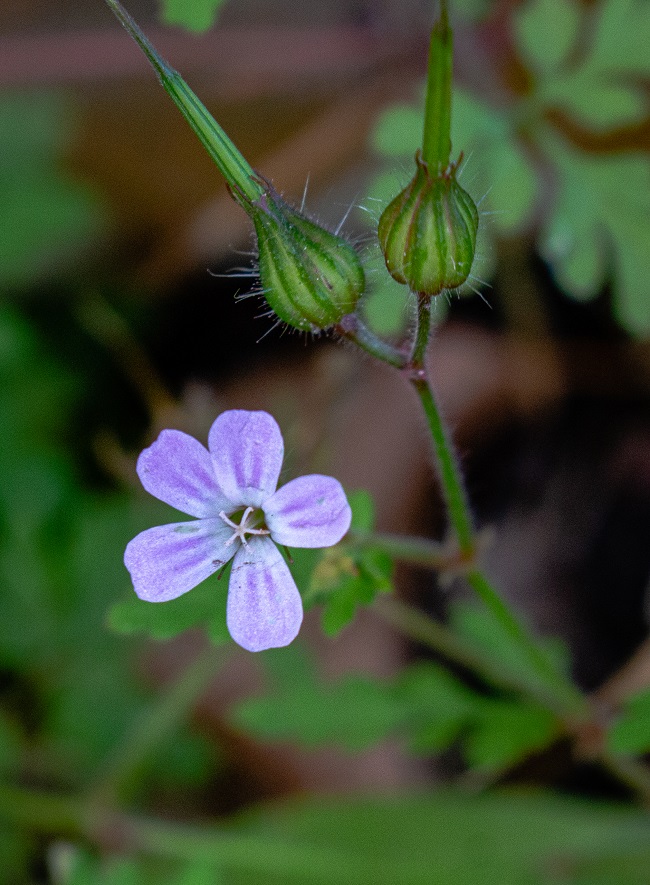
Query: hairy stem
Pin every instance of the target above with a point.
(353, 329)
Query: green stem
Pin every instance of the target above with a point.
(547, 671)
(449, 472)
(440, 639)
(231, 163)
(416, 551)
(422, 332)
(355, 330)
(153, 726)
(436, 141)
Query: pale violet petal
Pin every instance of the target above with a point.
(168, 560)
(311, 511)
(247, 452)
(264, 605)
(178, 470)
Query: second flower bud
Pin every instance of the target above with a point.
(428, 232)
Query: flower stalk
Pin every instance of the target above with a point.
(436, 141)
(230, 162)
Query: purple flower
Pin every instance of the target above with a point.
(232, 491)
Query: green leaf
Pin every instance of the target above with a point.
(437, 706)
(630, 733)
(622, 36)
(546, 31)
(363, 510)
(602, 206)
(193, 15)
(480, 627)
(594, 100)
(507, 732)
(353, 713)
(204, 606)
(351, 573)
(438, 839)
(599, 86)
(398, 133)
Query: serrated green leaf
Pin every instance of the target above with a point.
(599, 87)
(506, 732)
(354, 713)
(630, 733)
(193, 15)
(622, 37)
(545, 32)
(601, 199)
(437, 706)
(480, 627)
(594, 102)
(351, 573)
(204, 606)
(513, 189)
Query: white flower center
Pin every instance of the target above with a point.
(243, 528)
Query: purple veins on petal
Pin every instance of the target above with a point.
(168, 560)
(264, 606)
(311, 511)
(247, 452)
(178, 470)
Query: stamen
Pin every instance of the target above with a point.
(242, 529)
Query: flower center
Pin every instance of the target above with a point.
(247, 526)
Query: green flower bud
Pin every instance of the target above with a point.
(310, 277)
(428, 232)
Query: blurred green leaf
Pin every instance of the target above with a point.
(480, 627)
(425, 704)
(438, 707)
(354, 713)
(439, 839)
(193, 15)
(599, 84)
(204, 606)
(535, 21)
(599, 223)
(630, 733)
(47, 214)
(506, 732)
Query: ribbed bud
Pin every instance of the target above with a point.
(428, 232)
(310, 277)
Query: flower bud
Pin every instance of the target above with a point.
(310, 277)
(428, 232)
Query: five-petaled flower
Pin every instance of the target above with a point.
(232, 490)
